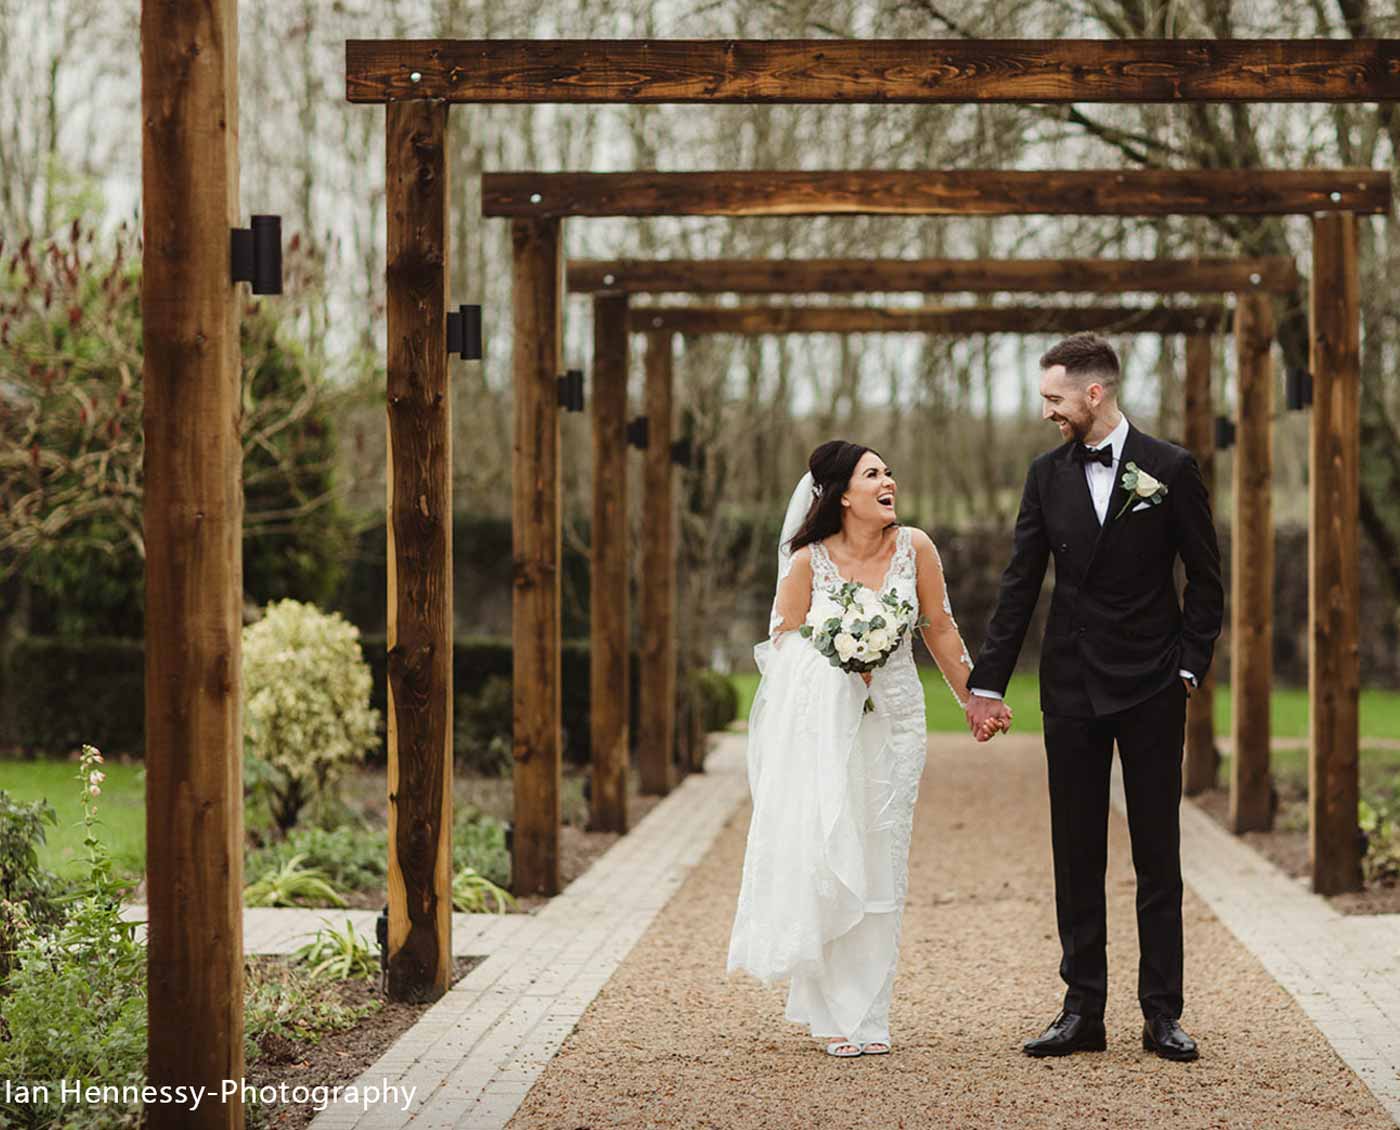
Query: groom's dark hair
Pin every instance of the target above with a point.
(1086, 357)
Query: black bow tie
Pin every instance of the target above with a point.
(1103, 455)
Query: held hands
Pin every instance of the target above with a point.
(987, 717)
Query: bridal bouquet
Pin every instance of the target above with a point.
(858, 630)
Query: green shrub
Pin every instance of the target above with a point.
(479, 843)
(349, 858)
(715, 696)
(473, 893)
(482, 725)
(339, 955)
(75, 1008)
(72, 369)
(29, 894)
(56, 694)
(292, 884)
(1379, 819)
(306, 712)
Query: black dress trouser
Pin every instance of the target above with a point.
(1079, 753)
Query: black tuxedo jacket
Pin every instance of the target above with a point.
(1115, 635)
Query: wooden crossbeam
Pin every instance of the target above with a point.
(1272, 274)
(952, 320)
(881, 70)
(956, 192)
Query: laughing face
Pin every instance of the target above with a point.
(1069, 403)
(870, 495)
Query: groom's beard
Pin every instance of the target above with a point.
(1078, 429)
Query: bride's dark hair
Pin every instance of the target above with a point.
(832, 464)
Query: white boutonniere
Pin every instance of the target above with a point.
(1141, 487)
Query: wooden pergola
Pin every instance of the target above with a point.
(538, 203)
(193, 505)
(1251, 280)
(614, 319)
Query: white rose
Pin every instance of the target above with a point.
(878, 640)
(1147, 486)
(845, 645)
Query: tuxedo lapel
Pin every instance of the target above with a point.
(1075, 485)
(1132, 452)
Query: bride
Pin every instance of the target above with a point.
(826, 865)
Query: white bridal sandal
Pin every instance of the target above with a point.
(834, 1048)
(875, 1047)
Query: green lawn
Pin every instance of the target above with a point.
(121, 811)
(1380, 710)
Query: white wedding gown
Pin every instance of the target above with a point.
(826, 866)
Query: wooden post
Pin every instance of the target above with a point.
(610, 632)
(193, 517)
(1202, 759)
(1252, 568)
(1334, 677)
(535, 520)
(419, 527)
(657, 720)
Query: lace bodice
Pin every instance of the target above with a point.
(901, 576)
(902, 579)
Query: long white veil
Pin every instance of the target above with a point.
(818, 857)
(798, 507)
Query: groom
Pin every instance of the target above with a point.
(1115, 507)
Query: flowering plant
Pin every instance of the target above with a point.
(1141, 487)
(858, 630)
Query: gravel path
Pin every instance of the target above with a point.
(669, 1042)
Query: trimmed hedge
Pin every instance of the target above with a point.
(476, 658)
(56, 694)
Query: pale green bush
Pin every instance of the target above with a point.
(306, 713)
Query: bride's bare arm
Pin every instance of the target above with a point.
(942, 637)
(794, 593)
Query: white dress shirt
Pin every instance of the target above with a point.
(1101, 481)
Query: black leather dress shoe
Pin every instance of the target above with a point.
(1165, 1037)
(1068, 1033)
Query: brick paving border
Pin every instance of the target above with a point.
(284, 930)
(475, 1053)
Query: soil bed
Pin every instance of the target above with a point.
(339, 1058)
(1286, 846)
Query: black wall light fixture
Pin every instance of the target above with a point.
(464, 332)
(1298, 389)
(256, 254)
(1224, 433)
(637, 433)
(571, 391)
